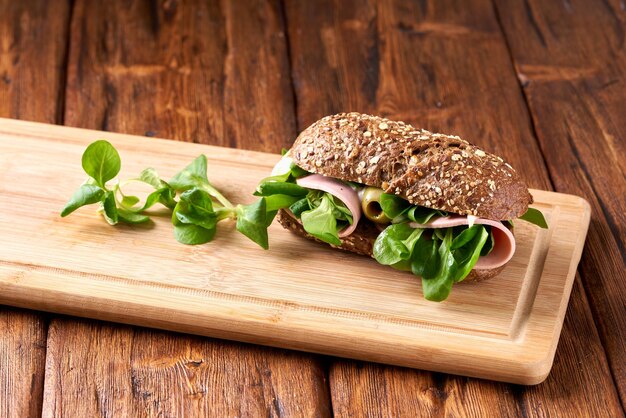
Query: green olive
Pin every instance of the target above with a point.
(371, 205)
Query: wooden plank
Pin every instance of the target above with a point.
(97, 369)
(444, 66)
(22, 359)
(391, 391)
(570, 59)
(33, 38)
(182, 71)
(172, 69)
(503, 329)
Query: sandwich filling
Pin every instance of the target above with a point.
(440, 247)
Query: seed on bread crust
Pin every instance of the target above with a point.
(428, 169)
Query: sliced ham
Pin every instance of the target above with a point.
(504, 241)
(341, 191)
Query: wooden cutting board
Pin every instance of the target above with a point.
(298, 295)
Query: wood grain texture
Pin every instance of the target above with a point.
(205, 72)
(180, 70)
(22, 360)
(142, 373)
(33, 37)
(571, 62)
(444, 66)
(292, 296)
(391, 391)
(33, 44)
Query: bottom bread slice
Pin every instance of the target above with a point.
(361, 241)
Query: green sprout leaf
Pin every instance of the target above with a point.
(393, 205)
(467, 255)
(437, 287)
(274, 187)
(151, 177)
(194, 175)
(165, 196)
(488, 245)
(321, 221)
(195, 207)
(280, 201)
(299, 206)
(252, 221)
(131, 217)
(534, 216)
(101, 161)
(193, 218)
(465, 236)
(110, 208)
(424, 257)
(422, 215)
(86, 194)
(396, 243)
(193, 234)
(399, 209)
(129, 201)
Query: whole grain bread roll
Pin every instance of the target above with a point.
(428, 169)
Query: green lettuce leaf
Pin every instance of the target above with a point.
(395, 244)
(400, 210)
(269, 188)
(535, 216)
(193, 217)
(86, 194)
(393, 206)
(321, 221)
(253, 221)
(467, 255)
(436, 287)
(440, 257)
(299, 206)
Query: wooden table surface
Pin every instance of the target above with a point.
(543, 83)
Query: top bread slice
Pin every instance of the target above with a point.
(428, 169)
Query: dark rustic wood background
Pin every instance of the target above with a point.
(540, 82)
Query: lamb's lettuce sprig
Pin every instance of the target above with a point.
(276, 192)
(399, 210)
(196, 205)
(441, 257)
(102, 163)
(322, 215)
(534, 216)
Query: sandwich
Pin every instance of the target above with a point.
(428, 203)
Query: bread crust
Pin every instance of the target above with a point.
(428, 169)
(361, 241)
